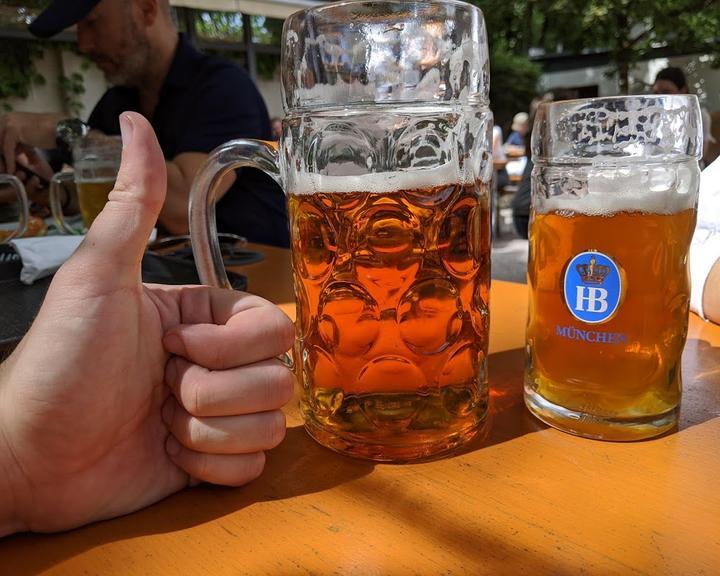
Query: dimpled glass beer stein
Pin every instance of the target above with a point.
(385, 161)
(615, 189)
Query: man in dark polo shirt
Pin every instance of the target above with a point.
(194, 101)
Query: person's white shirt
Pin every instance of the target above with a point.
(705, 247)
(707, 129)
(497, 144)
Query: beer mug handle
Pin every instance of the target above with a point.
(24, 212)
(56, 184)
(203, 229)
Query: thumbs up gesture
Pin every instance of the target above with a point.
(123, 393)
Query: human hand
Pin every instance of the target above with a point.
(24, 128)
(36, 185)
(121, 394)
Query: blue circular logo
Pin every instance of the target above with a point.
(592, 287)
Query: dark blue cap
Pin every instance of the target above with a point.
(59, 15)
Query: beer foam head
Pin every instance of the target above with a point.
(660, 189)
(379, 182)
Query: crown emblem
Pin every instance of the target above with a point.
(592, 273)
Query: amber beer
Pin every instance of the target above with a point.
(625, 368)
(92, 196)
(392, 332)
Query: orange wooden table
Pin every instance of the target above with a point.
(526, 499)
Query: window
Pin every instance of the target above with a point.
(218, 26)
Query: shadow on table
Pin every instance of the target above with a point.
(298, 466)
(701, 383)
(509, 418)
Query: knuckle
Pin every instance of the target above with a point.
(248, 468)
(198, 434)
(281, 386)
(195, 396)
(122, 185)
(218, 355)
(196, 401)
(255, 464)
(201, 466)
(174, 373)
(179, 427)
(286, 331)
(279, 330)
(182, 427)
(275, 428)
(188, 387)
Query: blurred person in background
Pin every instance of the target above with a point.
(515, 144)
(672, 81)
(195, 103)
(276, 125)
(499, 158)
(705, 248)
(522, 200)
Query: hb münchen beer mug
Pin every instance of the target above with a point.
(385, 161)
(615, 189)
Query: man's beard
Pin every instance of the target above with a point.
(133, 64)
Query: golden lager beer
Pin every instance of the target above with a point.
(614, 192)
(628, 366)
(92, 196)
(392, 331)
(385, 159)
(96, 163)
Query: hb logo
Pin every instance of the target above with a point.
(592, 287)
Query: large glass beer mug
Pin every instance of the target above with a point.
(385, 160)
(615, 189)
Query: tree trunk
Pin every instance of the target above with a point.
(623, 50)
(624, 76)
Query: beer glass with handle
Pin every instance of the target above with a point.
(11, 230)
(385, 161)
(615, 189)
(96, 160)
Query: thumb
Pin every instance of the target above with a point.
(118, 236)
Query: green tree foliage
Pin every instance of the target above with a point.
(18, 72)
(266, 30)
(513, 77)
(627, 29)
(630, 29)
(513, 84)
(219, 26)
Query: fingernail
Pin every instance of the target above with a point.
(174, 344)
(126, 129)
(168, 411)
(172, 446)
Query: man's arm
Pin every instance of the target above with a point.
(711, 294)
(25, 128)
(181, 172)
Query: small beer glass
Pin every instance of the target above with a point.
(615, 190)
(96, 162)
(14, 216)
(385, 160)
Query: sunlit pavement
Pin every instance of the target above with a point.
(509, 252)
